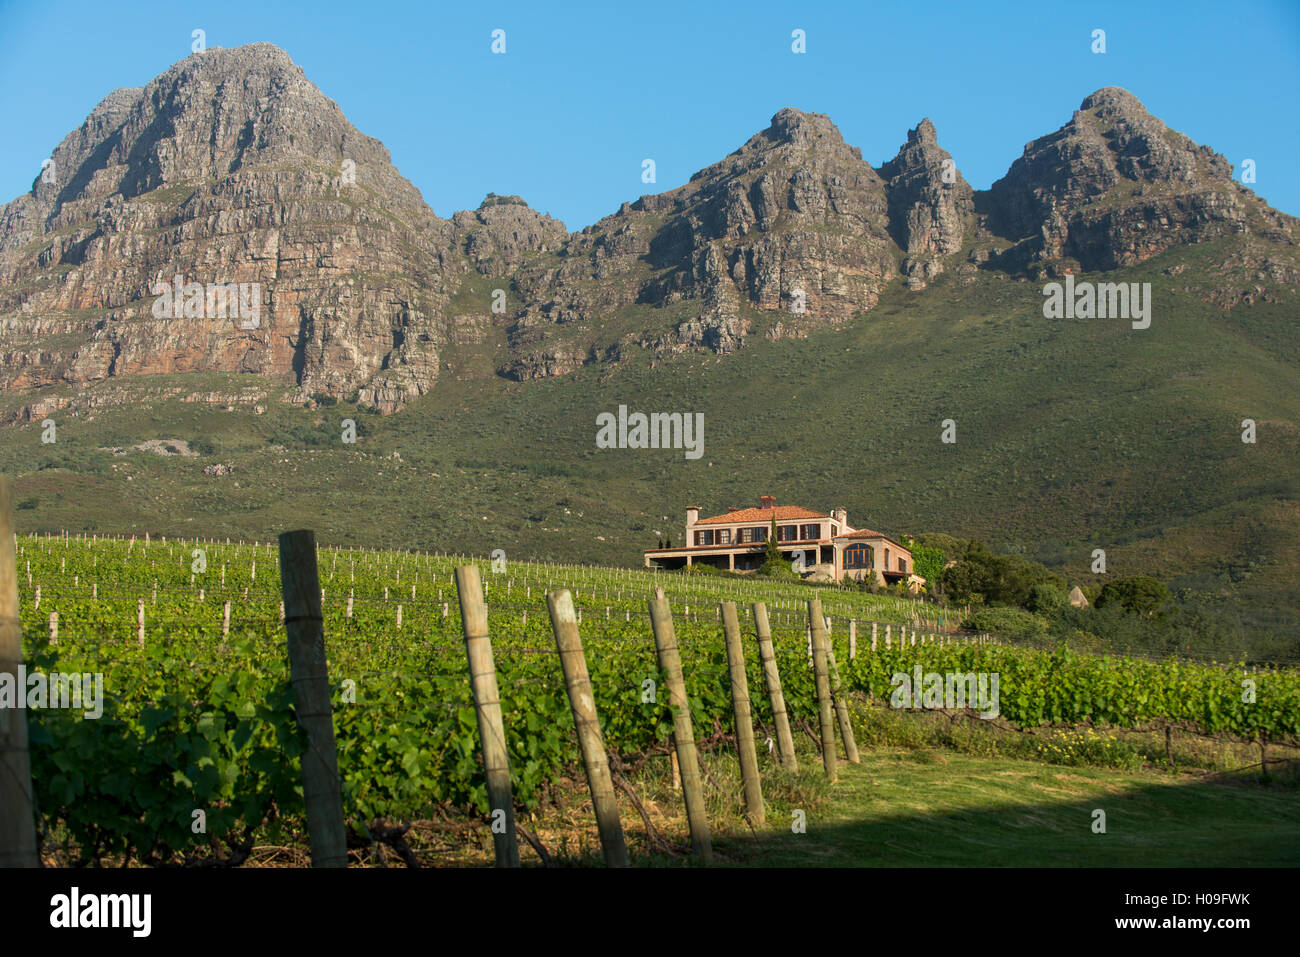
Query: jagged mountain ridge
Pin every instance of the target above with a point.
(1115, 186)
(232, 167)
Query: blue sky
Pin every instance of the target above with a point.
(585, 92)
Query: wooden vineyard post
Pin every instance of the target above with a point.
(817, 627)
(873, 636)
(772, 678)
(487, 706)
(842, 709)
(661, 621)
(321, 788)
(744, 723)
(17, 817)
(853, 638)
(577, 682)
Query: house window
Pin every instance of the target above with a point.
(787, 533)
(902, 565)
(886, 559)
(724, 537)
(857, 556)
(704, 538)
(811, 532)
(746, 536)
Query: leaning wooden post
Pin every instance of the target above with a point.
(817, 628)
(744, 723)
(321, 788)
(577, 683)
(487, 705)
(772, 679)
(842, 709)
(17, 817)
(661, 621)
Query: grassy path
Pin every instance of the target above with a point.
(930, 808)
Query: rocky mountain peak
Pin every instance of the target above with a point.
(1114, 100)
(492, 199)
(503, 231)
(918, 155)
(930, 203)
(1115, 185)
(924, 134)
(785, 233)
(207, 116)
(797, 128)
(229, 170)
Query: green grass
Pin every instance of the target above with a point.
(940, 809)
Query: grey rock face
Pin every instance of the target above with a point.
(232, 168)
(930, 205)
(1115, 186)
(229, 168)
(499, 235)
(791, 227)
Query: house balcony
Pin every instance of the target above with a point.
(739, 556)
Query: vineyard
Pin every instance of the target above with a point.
(199, 719)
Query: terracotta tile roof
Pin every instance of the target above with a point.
(782, 513)
(868, 533)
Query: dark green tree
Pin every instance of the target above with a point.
(1139, 595)
(982, 576)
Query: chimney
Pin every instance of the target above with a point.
(767, 501)
(842, 516)
(692, 516)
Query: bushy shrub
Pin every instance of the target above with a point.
(1139, 595)
(1006, 622)
(996, 579)
(701, 568)
(1087, 747)
(1048, 600)
(780, 568)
